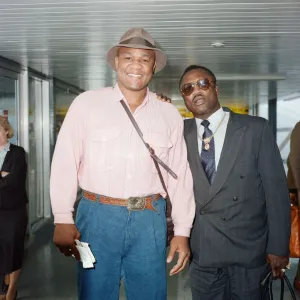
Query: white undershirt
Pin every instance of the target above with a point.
(219, 136)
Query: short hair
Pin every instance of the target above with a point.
(6, 126)
(196, 67)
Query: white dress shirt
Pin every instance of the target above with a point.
(219, 137)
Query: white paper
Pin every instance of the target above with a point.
(86, 256)
(87, 247)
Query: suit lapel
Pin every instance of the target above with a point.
(230, 150)
(192, 141)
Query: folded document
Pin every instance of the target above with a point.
(86, 256)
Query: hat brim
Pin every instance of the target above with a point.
(160, 57)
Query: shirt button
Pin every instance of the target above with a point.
(202, 212)
(235, 199)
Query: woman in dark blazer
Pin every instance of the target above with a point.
(13, 211)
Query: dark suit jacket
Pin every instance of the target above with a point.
(245, 214)
(13, 186)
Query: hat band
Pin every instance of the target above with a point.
(137, 41)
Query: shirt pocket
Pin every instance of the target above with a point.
(161, 145)
(104, 148)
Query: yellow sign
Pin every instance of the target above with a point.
(239, 109)
(62, 111)
(185, 113)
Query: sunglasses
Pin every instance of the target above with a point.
(204, 84)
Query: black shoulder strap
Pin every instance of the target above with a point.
(155, 158)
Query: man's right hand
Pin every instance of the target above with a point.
(277, 264)
(64, 239)
(163, 98)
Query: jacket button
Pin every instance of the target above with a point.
(223, 219)
(242, 176)
(235, 199)
(202, 212)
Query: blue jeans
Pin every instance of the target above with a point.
(126, 244)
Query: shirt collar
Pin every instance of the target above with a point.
(214, 119)
(118, 95)
(6, 148)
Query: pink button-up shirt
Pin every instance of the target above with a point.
(99, 149)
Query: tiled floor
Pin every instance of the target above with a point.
(50, 276)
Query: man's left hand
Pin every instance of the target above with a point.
(179, 244)
(277, 264)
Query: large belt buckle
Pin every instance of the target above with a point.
(136, 203)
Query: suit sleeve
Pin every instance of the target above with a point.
(17, 174)
(276, 193)
(294, 157)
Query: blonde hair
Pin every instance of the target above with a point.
(6, 126)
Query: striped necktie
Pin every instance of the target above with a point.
(208, 156)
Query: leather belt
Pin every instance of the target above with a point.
(132, 203)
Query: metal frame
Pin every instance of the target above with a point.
(43, 137)
(272, 108)
(66, 86)
(47, 92)
(8, 73)
(10, 65)
(36, 84)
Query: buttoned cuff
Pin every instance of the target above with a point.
(63, 218)
(180, 230)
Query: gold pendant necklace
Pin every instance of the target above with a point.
(206, 146)
(207, 140)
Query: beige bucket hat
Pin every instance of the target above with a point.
(137, 38)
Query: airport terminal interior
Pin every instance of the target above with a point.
(53, 50)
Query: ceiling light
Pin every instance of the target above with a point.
(218, 44)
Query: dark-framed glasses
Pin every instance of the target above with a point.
(204, 84)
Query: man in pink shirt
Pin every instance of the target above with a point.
(122, 212)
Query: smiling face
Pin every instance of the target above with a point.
(134, 68)
(202, 103)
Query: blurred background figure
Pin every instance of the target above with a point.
(13, 213)
(294, 179)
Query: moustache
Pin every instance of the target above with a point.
(197, 95)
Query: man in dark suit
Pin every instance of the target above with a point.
(242, 224)
(293, 178)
